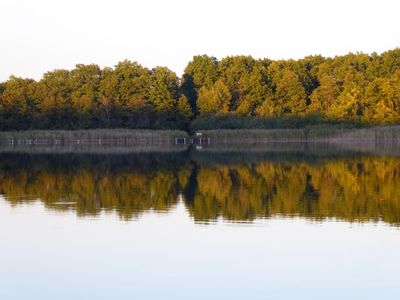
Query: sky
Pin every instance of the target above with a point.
(43, 35)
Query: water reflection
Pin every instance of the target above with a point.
(236, 187)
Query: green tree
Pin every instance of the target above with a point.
(56, 105)
(215, 99)
(85, 84)
(352, 87)
(164, 90)
(291, 94)
(184, 108)
(325, 95)
(18, 103)
(202, 71)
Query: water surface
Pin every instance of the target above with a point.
(300, 224)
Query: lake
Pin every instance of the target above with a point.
(287, 222)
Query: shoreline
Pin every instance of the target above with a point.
(328, 134)
(235, 138)
(91, 137)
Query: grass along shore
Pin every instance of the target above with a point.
(326, 134)
(218, 137)
(123, 137)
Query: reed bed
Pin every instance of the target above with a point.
(387, 134)
(115, 137)
(313, 148)
(254, 136)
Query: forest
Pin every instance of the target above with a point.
(234, 92)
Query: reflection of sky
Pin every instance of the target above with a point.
(53, 255)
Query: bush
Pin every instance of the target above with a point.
(230, 121)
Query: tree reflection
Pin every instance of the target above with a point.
(352, 188)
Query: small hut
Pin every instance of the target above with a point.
(180, 141)
(202, 139)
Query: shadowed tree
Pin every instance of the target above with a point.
(18, 103)
(202, 71)
(184, 108)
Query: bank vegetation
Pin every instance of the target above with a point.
(233, 92)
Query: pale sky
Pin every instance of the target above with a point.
(41, 35)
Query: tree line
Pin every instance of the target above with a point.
(359, 88)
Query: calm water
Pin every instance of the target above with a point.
(200, 225)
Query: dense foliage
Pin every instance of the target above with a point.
(89, 97)
(359, 88)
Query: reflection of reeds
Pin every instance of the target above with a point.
(312, 153)
(314, 141)
(308, 148)
(92, 148)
